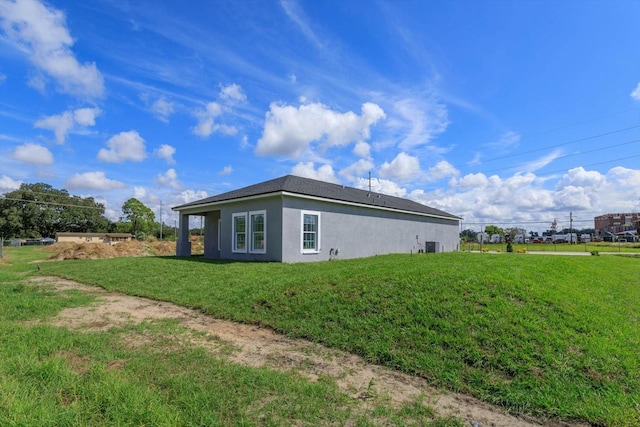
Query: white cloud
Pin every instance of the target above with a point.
(86, 116)
(226, 170)
(8, 184)
(507, 140)
(93, 181)
(404, 167)
(289, 131)
(543, 161)
(124, 146)
(362, 149)
(38, 82)
(166, 152)
(169, 178)
(62, 124)
(442, 169)
(307, 170)
(528, 198)
(162, 109)
(41, 32)
(636, 93)
(139, 192)
(419, 121)
(232, 94)
(298, 17)
(206, 125)
(581, 178)
(357, 170)
(188, 196)
(33, 154)
(384, 186)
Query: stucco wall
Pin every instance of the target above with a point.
(272, 206)
(360, 232)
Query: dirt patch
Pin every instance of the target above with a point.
(257, 347)
(102, 250)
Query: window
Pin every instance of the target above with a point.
(250, 232)
(258, 226)
(310, 232)
(239, 232)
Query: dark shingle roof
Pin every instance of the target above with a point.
(311, 187)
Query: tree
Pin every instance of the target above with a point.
(139, 217)
(493, 229)
(39, 210)
(512, 232)
(468, 235)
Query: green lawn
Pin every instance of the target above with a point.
(543, 335)
(605, 247)
(51, 376)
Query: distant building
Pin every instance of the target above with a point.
(482, 237)
(615, 223)
(108, 238)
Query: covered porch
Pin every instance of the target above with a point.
(211, 233)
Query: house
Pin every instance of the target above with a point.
(295, 219)
(109, 238)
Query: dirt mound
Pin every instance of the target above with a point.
(102, 250)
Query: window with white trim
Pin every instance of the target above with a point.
(310, 232)
(258, 228)
(239, 232)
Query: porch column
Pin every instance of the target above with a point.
(183, 246)
(211, 249)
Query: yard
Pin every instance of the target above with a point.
(550, 337)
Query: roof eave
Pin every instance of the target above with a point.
(195, 209)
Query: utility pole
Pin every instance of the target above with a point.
(571, 228)
(161, 220)
(369, 181)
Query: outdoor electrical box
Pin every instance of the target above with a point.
(431, 247)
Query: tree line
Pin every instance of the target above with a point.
(39, 210)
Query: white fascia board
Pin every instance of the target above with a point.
(204, 208)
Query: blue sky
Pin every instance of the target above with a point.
(502, 112)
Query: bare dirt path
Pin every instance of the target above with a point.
(257, 347)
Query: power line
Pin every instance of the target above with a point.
(51, 203)
(557, 145)
(569, 155)
(605, 147)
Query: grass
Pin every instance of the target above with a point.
(52, 376)
(606, 247)
(543, 335)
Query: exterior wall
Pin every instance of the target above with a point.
(361, 232)
(81, 239)
(615, 223)
(273, 208)
(211, 249)
(109, 238)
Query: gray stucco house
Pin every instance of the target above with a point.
(294, 219)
